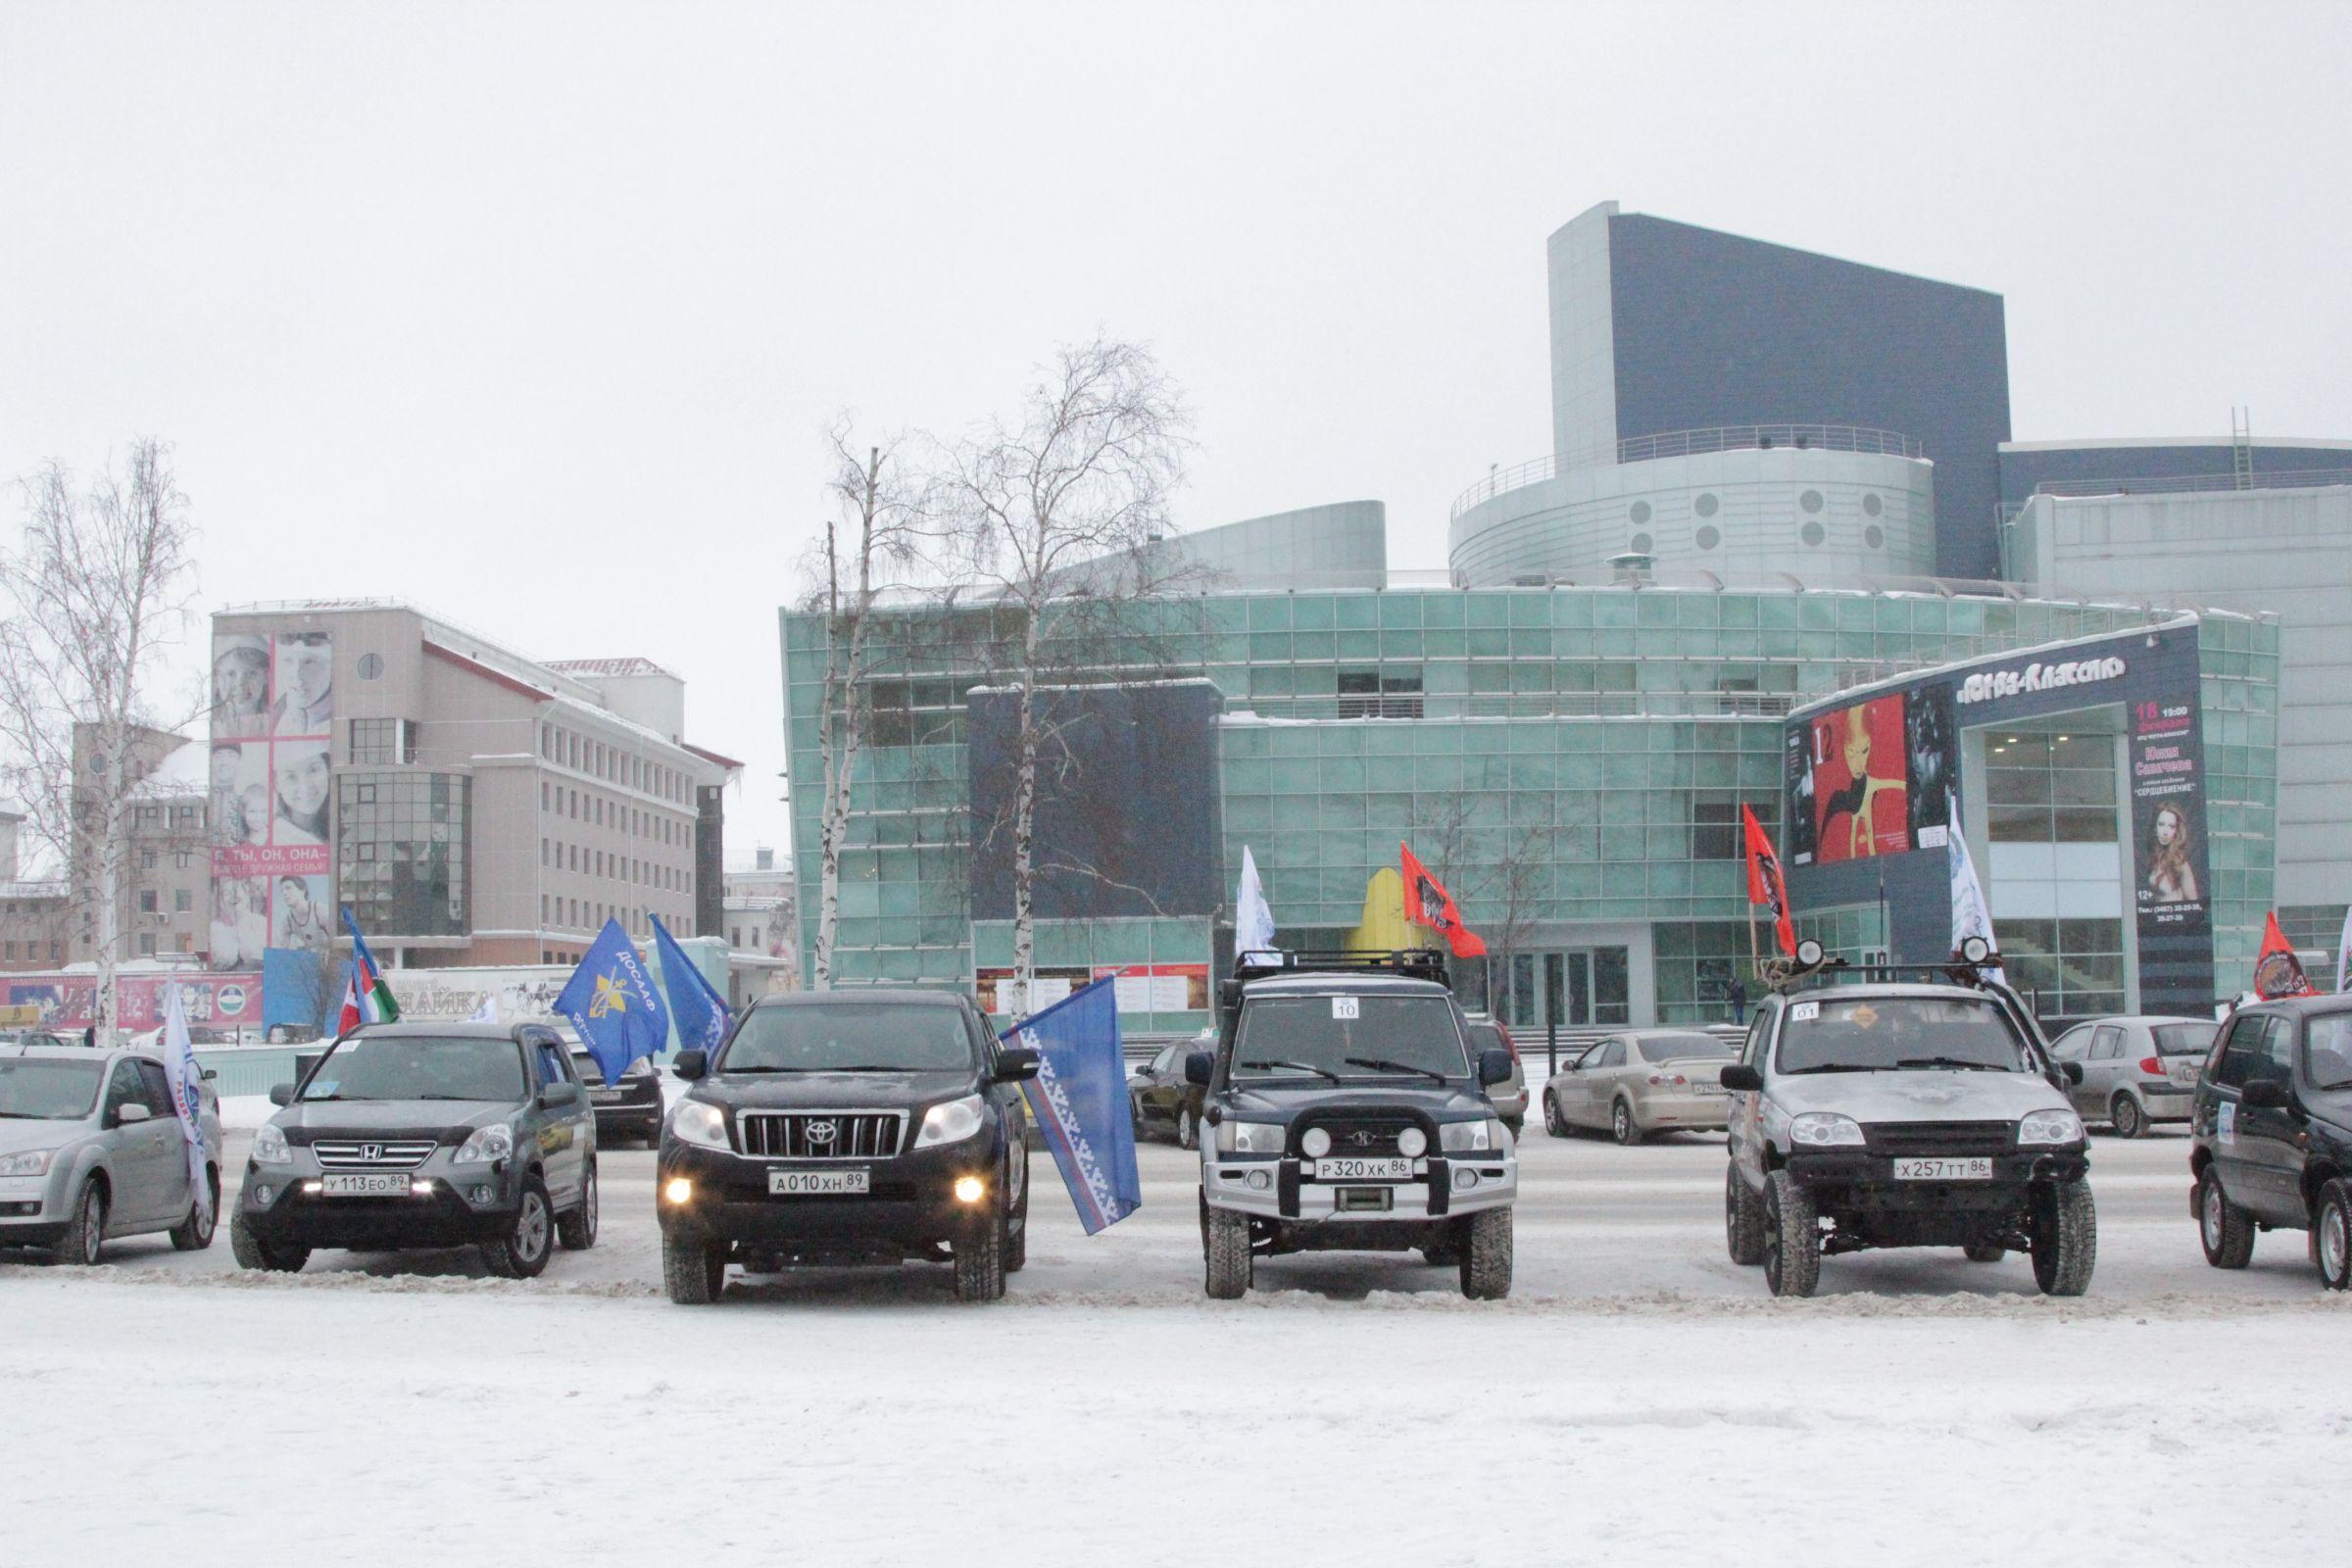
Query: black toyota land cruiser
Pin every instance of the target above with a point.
(848, 1127)
(1344, 1112)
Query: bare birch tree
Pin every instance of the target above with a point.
(1055, 514)
(96, 598)
(872, 545)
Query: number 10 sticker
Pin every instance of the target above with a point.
(1343, 1007)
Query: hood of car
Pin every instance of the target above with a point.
(333, 1118)
(18, 1136)
(1445, 1102)
(835, 1090)
(1919, 1095)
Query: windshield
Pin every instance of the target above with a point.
(1681, 1047)
(2329, 1058)
(2183, 1039)
(1862, 1034)
(48, 1091)
(419, 1067)
(1349, 1037)
(851, 1037)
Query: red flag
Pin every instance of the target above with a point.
(1427, 903)
(1766, 885)
(2278, 972)
(349, 1018)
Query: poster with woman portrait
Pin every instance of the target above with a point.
(2170, 867)
(270, 785)
(1861, 791)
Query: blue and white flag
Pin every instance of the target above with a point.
(1971, 916)
(2343, 953)
(1079, 1098)
(1253, 920)
(701, 1014)
(611, 1001)
(187, 1095)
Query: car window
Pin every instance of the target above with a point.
(1361, 1036)
(1612, 1055)
(2069, 1046)
(419, 1067)
(1682, 1048)
(2327, 1051)
(2278, 1051)
(44, 1088)
(1758, 1033)
(157, 1089)
(2183, 1039)
(1871, 1034)
(851, 1037)
(2240, 1059)
(1165, 1062)
(551, 1065)
(122, 1088)
(2107, 1043)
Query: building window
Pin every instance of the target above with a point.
(146, 860)
(372, 667)
(146, 943)
(183, 901)
(404, 862)
(147, 902)
(1373, 694)
(376, 742)
(1716, 831)
(184, 860)
(2050, 788)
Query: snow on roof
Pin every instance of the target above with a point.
(185, 769)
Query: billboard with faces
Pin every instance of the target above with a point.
(272, 847)
(1871, 783)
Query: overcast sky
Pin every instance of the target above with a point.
(531, 315)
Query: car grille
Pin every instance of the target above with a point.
(1940, 1137)
(369, 1153)
(822, 1135)
(1361, 1134)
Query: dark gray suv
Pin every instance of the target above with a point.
(413, 1135)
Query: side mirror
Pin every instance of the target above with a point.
(691, 1064)
(132, 1114)
(1494, 1066)
(2071, 1071)
(1200, 1066)
(211, 1073)
(282, 1094)
(1016, 1063)
(555, 1097)
(2263, 1094)
(1741, 1079)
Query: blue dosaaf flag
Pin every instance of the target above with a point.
(701, 1012)
(1079, 1098)
(611, 1001)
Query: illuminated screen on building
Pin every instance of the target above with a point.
(1873, 780)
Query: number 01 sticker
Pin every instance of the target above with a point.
(1343, 1007)
(1803, 1011)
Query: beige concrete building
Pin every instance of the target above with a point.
(486, 808)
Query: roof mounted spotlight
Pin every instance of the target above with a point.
(1975, 950)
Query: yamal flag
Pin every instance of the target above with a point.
(1079, 1098)
(701, 1013)
(367, 988)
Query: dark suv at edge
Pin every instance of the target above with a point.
(848, 1127)
(424, 1135)
(2272, 1134)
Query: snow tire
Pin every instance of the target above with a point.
(195, 1233)
(521, 1252)
(980, 1263)
(1791, 1237)
(576, 1231)
(86, 1233)
(1552, 1117)
(1485, 1261)
(2226, 1230)
(1622, 1126)
(2331, 1234)
(693, 1271)
(2066, 1238)
(1227, 1255)
(1016, 1248)
(1742, 1219)
(255, 1254)
(2126, 1118)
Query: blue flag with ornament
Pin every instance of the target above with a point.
(611, 1001)
(701, 1014)
(1079, 1098)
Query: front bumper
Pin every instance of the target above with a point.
(447, 1205)
(1862, 1179)
(1289, 1190)
(34, 1211)
(910, 1205)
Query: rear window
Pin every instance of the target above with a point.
(851, 1037)
(1681, 1047)
(2330, 1058)
(2183, 1039)
(1349, 1037)
(1874, 1034)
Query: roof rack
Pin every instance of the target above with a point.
(1261, 963)
(1956, 971)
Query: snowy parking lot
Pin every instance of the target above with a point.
(1638, 1395)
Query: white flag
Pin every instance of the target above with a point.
(187, 1095)
(1252, 921)
(1970, 917)
(2343, 953)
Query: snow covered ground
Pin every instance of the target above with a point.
(1638, 1397)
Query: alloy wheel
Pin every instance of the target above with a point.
(2211, 1217)
(530, 1226)
(2335, 1243)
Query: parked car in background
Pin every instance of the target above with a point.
(91, 1150)
(30, 1038)
(1487, 1033)
(1161, 1100)
(1641, 1081)
(426, 1135)
(627, 1109)
(2137, 1072)
(2273, 1133)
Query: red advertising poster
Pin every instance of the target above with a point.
(68, 1001)
(1860, 786)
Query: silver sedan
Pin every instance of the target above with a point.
(91, 1150)
(1639, 1082)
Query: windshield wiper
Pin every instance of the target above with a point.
(1384, 1064)
(25, 1115)
(866, 1067)
(1303, 1067)
(1833, 1066)
(485, 1099)
(1951, 1062)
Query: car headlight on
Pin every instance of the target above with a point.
(700, 1123)
(1471, 1137)
(1825, 1129)
(26, 1162)
(269, 1146)
(1250, 1137)
(494, 1142)
(952, 1122)
(2050, 1127)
